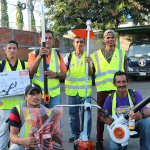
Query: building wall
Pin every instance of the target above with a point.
(25, 40)
(93, 46)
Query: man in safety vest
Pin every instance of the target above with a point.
(119, 103)
(106, 62)
(11, 63)
(33, 95)
(75, 85)
(56, 68)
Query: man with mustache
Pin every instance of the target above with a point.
(121, 101)
(33, 95)
(11, 63)
(106, 62)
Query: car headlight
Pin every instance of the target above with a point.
(130, 69)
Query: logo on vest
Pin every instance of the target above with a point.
(73, 65)
(81, 62)
(1, 103)
(52, 61)
(101, 59)
(116, 57)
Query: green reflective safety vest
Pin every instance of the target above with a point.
(53, 84)
(23, 125)
(10, 101)
(104, 71)
(114, 101)
(76, 75)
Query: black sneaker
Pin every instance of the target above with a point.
(72, 139)
(99, 145)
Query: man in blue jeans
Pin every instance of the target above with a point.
(75, 86)
(122, 101)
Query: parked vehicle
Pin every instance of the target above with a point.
(139, 59)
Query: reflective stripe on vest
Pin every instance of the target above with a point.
(104, 71)
(53, 84)
(10, 101)
(24, 128)
(76, 76)
(114, 101)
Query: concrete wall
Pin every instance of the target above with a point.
(93, 46)
(25, 40)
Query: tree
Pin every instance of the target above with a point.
(4, 14)
(110, 13)
(33, 27)
(19, 17)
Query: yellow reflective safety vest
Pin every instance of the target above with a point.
(76, 75)
(114, 101)
(53, 84)
(10, 101)
(23, 125)
(104, 71)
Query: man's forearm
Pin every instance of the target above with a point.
(147, 112)
(62, 75)
(33, 68)
(16, 139)
(102, 118)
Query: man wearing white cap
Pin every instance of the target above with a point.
(106, 62)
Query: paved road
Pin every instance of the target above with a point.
(142, 85)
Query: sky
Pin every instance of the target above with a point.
(12, 12)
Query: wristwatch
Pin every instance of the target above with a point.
(144, 116)
(57, 75)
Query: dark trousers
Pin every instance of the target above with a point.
(101, 97)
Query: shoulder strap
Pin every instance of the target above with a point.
(22, 64)
(36, 52)
(58, 55)
(112, 95)
(131, 92)
(3, 65)
(22, 105)
(69, 59)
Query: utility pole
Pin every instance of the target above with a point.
(29, 14)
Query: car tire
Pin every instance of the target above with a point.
(134, 78)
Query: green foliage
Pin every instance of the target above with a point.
(70, 44)
(4, 14)
(110, 13)
(33, 27)
(19, 17)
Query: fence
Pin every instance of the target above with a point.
(19, 26)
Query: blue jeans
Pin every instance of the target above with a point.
(53, 101)
(143, 128)
(74, 115)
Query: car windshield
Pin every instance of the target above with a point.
(137, 50)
